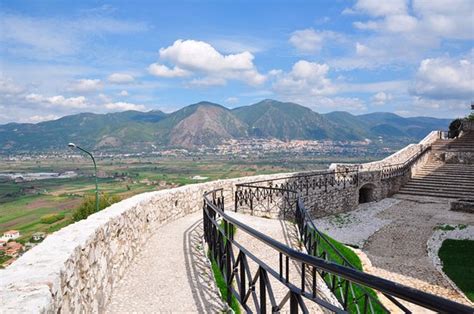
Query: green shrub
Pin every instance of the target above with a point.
(51, 218)
(88, 206)
(470, 117)
(455, 128)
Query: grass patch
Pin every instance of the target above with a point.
(355, 261)
(458, 263)
(221, 284)
(51, 218)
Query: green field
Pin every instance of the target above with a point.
(23, 204)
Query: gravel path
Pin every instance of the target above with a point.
(394, 235)
(171, 274)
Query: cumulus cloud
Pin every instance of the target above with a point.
(119, 106)
(381, 98)
(307, 40)
(422, 25)
(163, 71)
(120, 78)
(443, 78)
(305, 77)
(191, 57)
(123, 93)
(58, 101)
(86, 86)
(312, 41)
(381, 8)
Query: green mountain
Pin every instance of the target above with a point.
(285, 120)
(208, 124)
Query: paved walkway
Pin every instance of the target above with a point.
(285, 233)
(396, 232)
(171, 274)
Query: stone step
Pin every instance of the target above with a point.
(444, 189)
(449, 170)
(438, 192)
(443, 177)
(447, 182)
(408, 192)
(445, 174)
(435, 187)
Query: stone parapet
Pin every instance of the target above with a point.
(76, 268)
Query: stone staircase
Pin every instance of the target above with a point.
(442, 180)
(463, 143)
(449, 180)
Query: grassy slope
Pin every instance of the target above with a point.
(354, 260)
(458, 263)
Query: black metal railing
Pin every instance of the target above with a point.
(400, 169)
(261, 195)
(314, 241)
(249, 279)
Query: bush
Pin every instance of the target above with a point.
(454, 128)
(88, 206)
(470, 117)
(51, 218)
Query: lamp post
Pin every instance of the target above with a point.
(72, 145)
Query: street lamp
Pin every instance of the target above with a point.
(72, 146)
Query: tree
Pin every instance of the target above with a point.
(88, 207)
(455, 128)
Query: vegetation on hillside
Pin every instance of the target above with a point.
(206, 123)
(458, 263)
(88, 205)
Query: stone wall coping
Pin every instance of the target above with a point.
(30, 282)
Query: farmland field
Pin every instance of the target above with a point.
(27, 205)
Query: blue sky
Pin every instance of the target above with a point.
(63, 57)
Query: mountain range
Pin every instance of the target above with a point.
(208, 124)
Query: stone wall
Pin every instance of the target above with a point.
(76, 268)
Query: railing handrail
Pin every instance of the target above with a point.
(418, 297)
(303, 175)
(411, 159)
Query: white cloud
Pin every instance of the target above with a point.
(312, 41)
(198, 57)
(123, 93)
(232, 100)
(41, 118)
(120, 106)
(8, 87)
(309, 78)
(58, 101)
(207, 81)
(421, 25)
(163, 71)
(86, 86)
(120, 78)
(442, 78)
(307, 40)
(381, 98)
(381, 8)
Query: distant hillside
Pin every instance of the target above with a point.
(207, 124)
(284, 120)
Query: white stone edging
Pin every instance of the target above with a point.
(435, 242)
